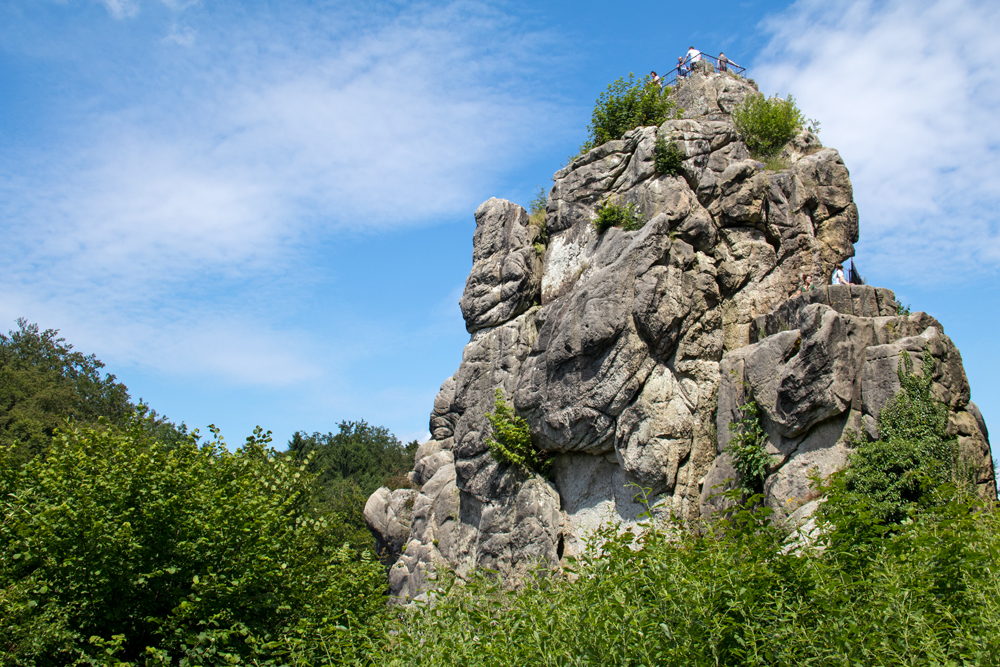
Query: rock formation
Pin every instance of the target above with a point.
(617, 347)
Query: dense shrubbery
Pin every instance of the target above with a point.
(511, 441)
(767, 124)
(114, 547)
(736, 594)
(626, 105)
(612, 213)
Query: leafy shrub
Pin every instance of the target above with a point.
(612, 213)
(767, 124)
(896, 475)
(668, 157)
(511, 439)
(114, 547)
(733, 594)
(626, 105)
(747, 447)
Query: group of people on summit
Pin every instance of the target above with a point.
(687, 61)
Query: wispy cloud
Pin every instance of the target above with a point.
(121, 9)
(230, 158)
(908, 91)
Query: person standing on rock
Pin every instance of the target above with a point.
(654, 79)
(724, 63)
(807, 283)
(693, 56)
(838, 276)
(682, 69)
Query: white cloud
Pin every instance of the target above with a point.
(907, 91)
(121, 9)
(231, 160)
(183, 35)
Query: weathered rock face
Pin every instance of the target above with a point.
(822, 367)
(612, 346)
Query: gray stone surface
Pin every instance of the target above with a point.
(628, 352)
(824, 372)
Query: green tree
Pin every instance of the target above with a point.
(626, 105)
(44, 382)
(349, 466)
(114, 547)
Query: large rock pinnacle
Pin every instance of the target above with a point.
(626, 351)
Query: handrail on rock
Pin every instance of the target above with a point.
(671, 77)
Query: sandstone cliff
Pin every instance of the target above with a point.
(618, 347)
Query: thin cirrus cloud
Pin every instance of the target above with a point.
(224, 159)
(907, 91)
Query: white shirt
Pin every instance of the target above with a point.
(694, 55)
(838, 277)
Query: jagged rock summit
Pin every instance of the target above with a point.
(627, 352)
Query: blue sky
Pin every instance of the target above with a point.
(261, 212)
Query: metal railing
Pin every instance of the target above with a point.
(683, 70)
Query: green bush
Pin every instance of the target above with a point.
(612, 213)
(899, 473)
(747, 447)
(626, 105)
(767, 124)
(733, 594)
(511, 440)
(668, 157)
(115, 549)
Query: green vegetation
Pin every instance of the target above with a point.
(536, 208)
(626, 105)
(121, 546)
(734, 594)
(117, 549)
(612, 213)
(668, 157)
(349, 466)
(747, 447)
(767, 124)
(511, 441)
(900, 473)
(44, 383)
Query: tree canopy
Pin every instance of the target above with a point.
(114, 547)
(44, 382)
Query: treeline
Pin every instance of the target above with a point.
(129, 541)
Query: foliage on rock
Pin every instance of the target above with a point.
(767, 124)
(747, 447)
(668, 157)
(116, 549)
(912, 459)
(511, 440)
(626, 105)
(612, 213)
